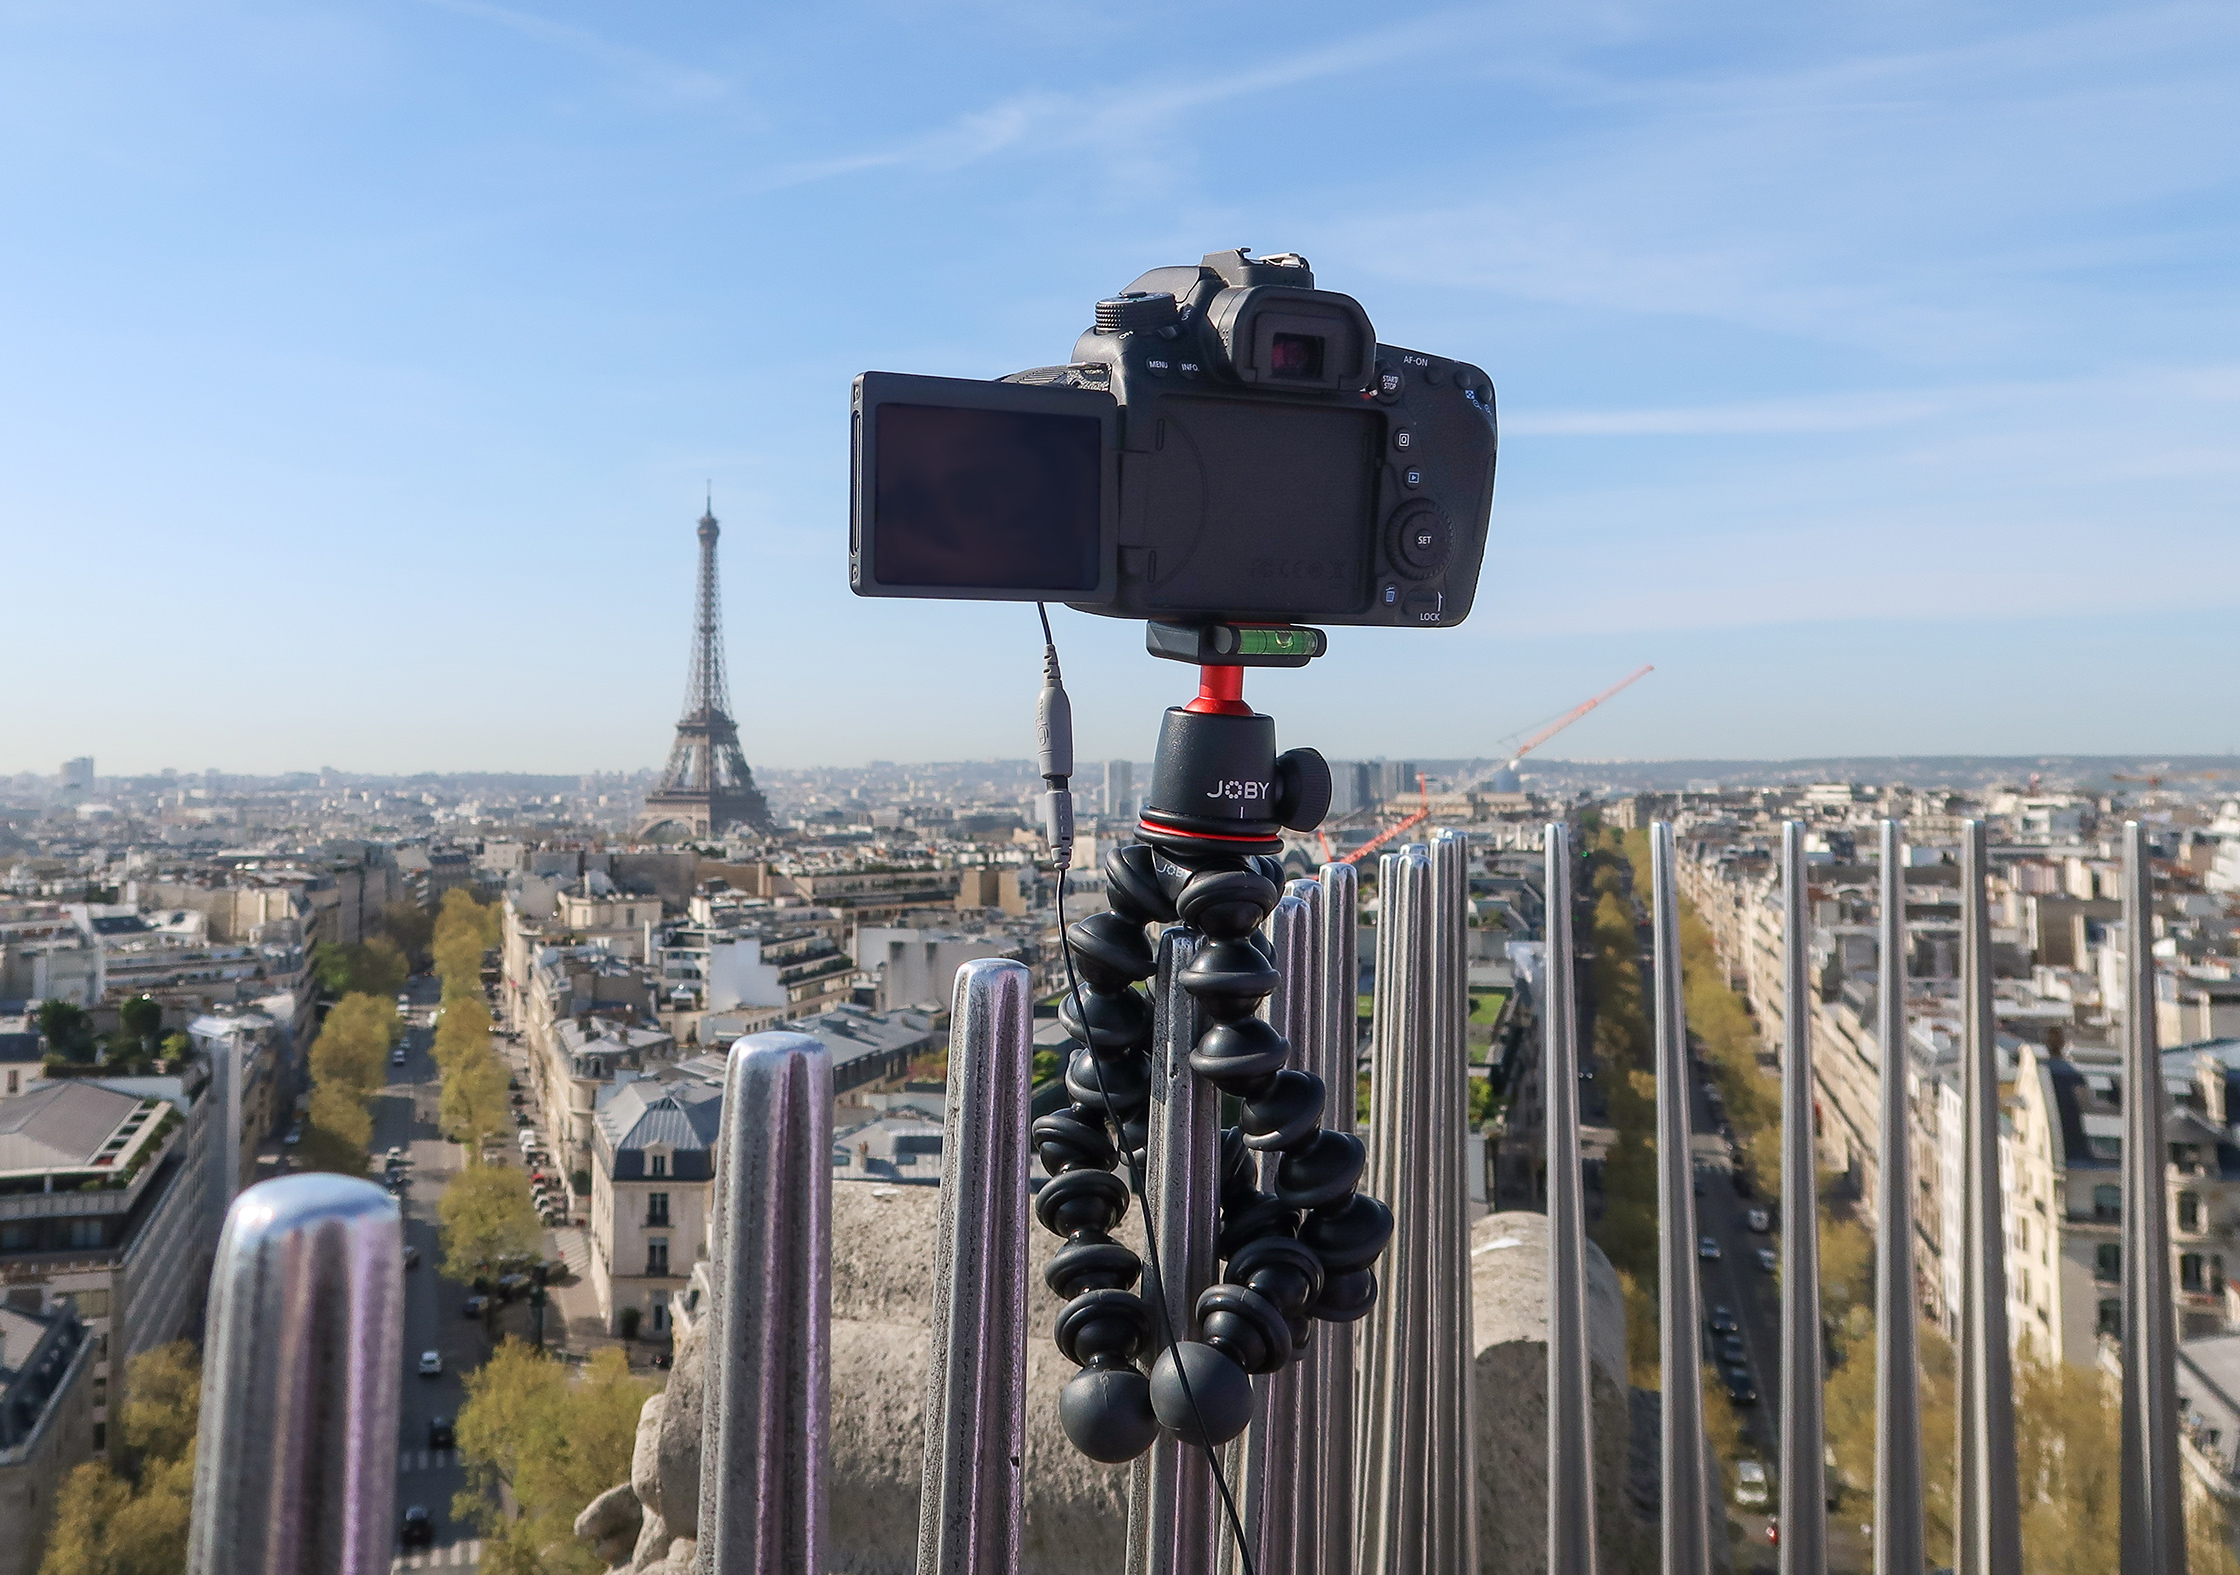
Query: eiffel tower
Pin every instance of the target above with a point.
(706, 788)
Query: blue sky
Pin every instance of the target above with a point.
(1873, 371)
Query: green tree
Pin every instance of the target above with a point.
(539, 1445)
(142, 1018)
(134, 1521)
(349, 1066)
(412, 927)
(473, 1104)
(330, 965)
(378, 967)
(352, 1049)
(486, 1214)
(67, 1029)
(464, 930)
(375, 966)
(462, 1032)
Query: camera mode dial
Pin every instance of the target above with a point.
(1138, 309)
(1421, 539)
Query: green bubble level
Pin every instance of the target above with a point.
(1277, 642)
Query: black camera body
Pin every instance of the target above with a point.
(1228, 445)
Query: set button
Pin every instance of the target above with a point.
(1420, 540)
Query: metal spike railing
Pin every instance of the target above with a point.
(1329, 1378)
(1688, 1502)
(297, 1451)
(1276, 1485)
(1571, 1531)
(767, 1433)
(296, 1454)
(970, 1508)
(1173, 1519)
(1455, 1530)
(1988, 1529)
(1803, 1470)
(1418, 1505)
(1898, 1533)
(2153, 1509)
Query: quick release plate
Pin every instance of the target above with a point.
(1235, 644)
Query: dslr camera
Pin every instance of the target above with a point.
(1229, 446)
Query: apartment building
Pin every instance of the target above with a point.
(919, 967)
(653, 1167)
(580, 1059)
(46, 1422)
(105, 1211)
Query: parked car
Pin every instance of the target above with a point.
(396, 1056)
(1731, 1351)
(475, 1306)
(1767, 1261)
(1708, 1248)
(418, 1530)
(395, 1180)
(295, 1135)
(1761, 1221)
(396, 1154)
(412, 1257)
(1740, 1390)
(1749, 1483)
(511, 1285)
(1722, 1319)
(431, 1364)
(439, 1433)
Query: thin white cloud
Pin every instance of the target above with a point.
(642, 66)
(1044, 121)
(1874, 410)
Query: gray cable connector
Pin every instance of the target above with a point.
(1053, 727)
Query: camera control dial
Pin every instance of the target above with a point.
(1421, 539)
(1138, 309)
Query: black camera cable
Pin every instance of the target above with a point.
(1054, 742)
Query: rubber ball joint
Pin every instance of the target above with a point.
(1107, 1413)
(1213, 1408)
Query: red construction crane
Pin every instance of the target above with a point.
(2155, 782)
(1534, 742)
(1573, 715)
(1423, 789)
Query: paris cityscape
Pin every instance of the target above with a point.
(580, 1132)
